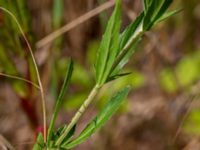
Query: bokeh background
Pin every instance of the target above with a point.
(162, 111)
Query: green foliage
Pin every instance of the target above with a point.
(59, 100)
(10, 44)
(18, 7)
(108, 49)
(18, 86)
(129, 40)
(59, 132)
(57, 18)
(103, 116)
(112, 56)
(39, 143)
(114, 52)
(168, 14)
(135, 79)
(154, 10)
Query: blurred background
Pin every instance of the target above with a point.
(162, 111)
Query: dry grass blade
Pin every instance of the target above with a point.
(19, 78)
(4, 144)
(49, 38)
(36, 69)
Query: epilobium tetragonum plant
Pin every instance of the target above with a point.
(114, 52)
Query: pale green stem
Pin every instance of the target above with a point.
(37, 72)
(78, 114)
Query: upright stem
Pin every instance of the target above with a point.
(37, 72)
(79, 113)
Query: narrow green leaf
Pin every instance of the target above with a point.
(130, 31)
(113, 50)
(57, 134)
(23, 14)
(163, 9)
(146, 4)
(57, 13)
(69, 135)
(39, 143)
(57, 18)
(101, 118)
(129, 52)
(37, 147)
(128, 37)
(154, 12)
(117, 76)
(59, 100)
(168, 14)
(108, 47)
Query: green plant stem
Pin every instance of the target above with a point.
(96, 88)
(37, 72)
(79, 113)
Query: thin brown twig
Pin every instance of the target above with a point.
(36, 69)
(19, 78)
(49, 38)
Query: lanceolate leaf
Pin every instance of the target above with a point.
(69, 135)
(113, 51)
(163, 9)
(59, 100)
(128, 44)
(146, 4)
(100, 119)
(60, 131)
(154, 12)
(126, 56)
(168, 14)
(39, 143)
(109, 45)
(117, 76)
(130, 31)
